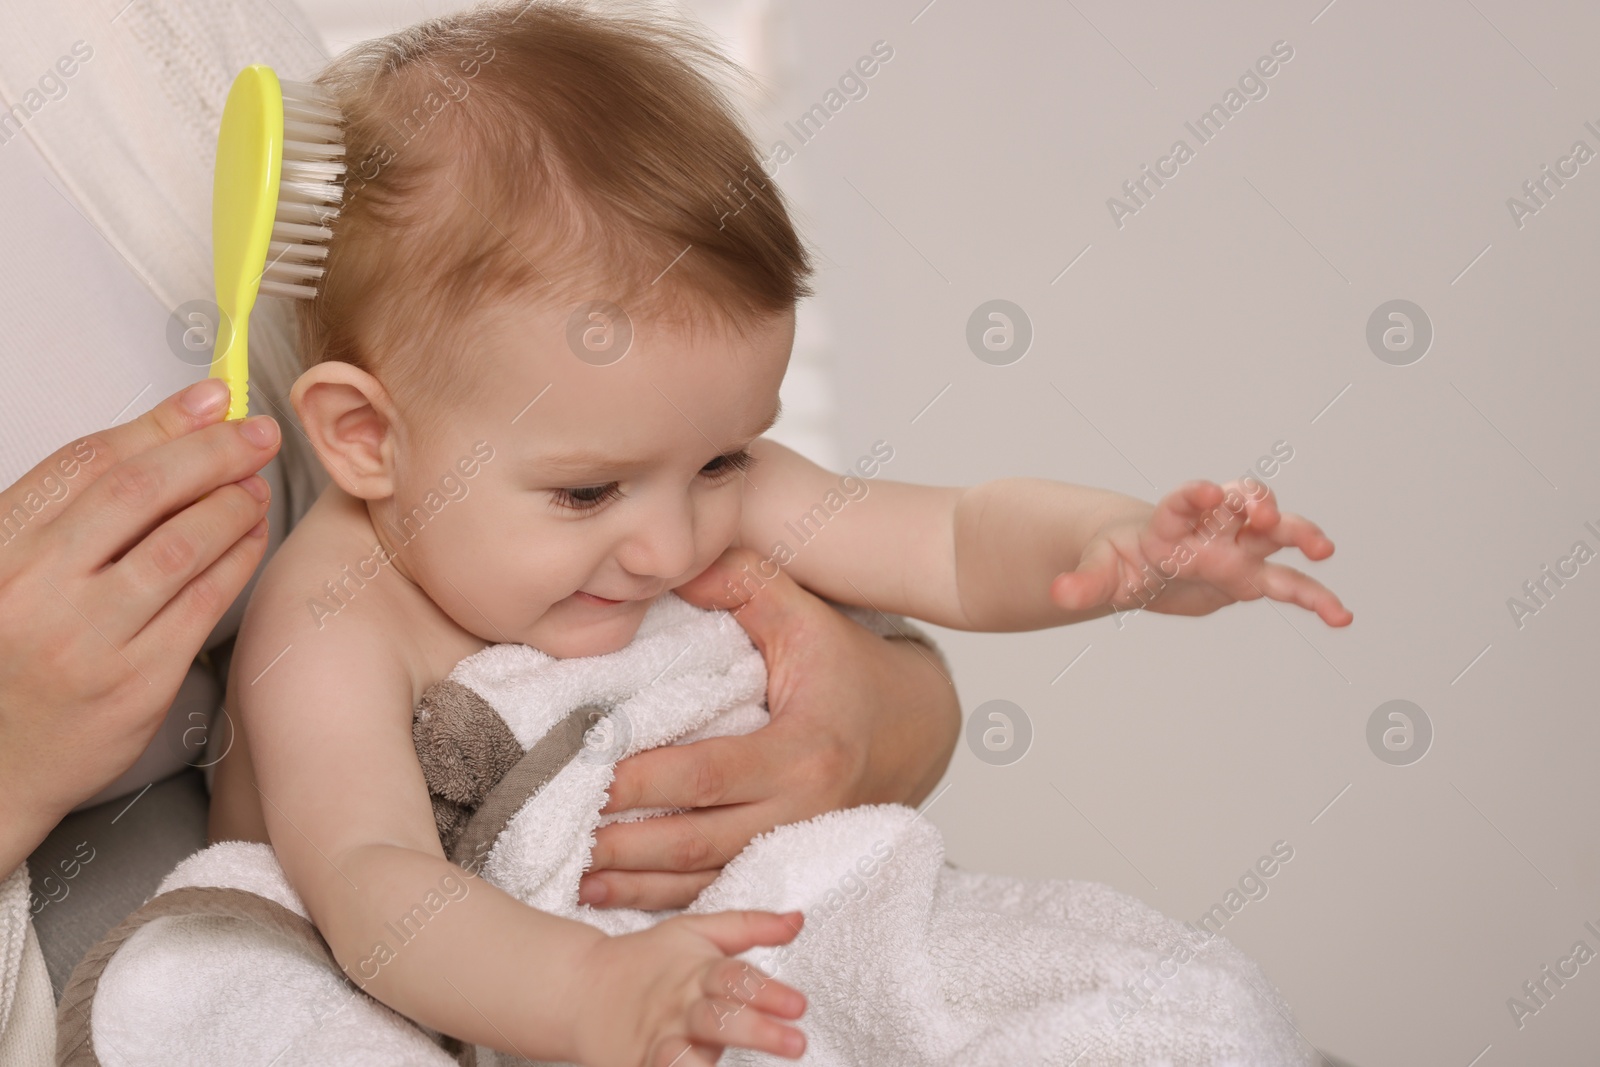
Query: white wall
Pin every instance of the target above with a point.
(1225, 316)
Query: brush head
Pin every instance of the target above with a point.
(310, 191)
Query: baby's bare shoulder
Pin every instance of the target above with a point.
(331, 600)
(311, 608)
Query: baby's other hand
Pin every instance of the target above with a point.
(1205, 546)
(670, 996)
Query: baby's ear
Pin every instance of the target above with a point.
(350, 419)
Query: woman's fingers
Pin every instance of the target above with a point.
(132, 501)
(187, 618)
(73, 467)
(769, 615)
(718, 770)
(688, 841)
(135, 589)
(134, 496)
(647, 890)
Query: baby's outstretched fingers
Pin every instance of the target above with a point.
(1308, 537)
(1293, 531)
(724, 1022)
(1260, 507)
(1292, 587)
(1177, 513)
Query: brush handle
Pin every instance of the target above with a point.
(232, 365)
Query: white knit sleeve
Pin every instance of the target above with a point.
(27, 1006)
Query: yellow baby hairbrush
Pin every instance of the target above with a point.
(278, 184)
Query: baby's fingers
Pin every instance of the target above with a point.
(735, 931)
(1260, 508)
(1093, 583)
(1179, 511)
(734, 979)
(680, 1053)
(1293, 531)
(723, 1022)
(1292, 587)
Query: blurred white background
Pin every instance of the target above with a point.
(1229, 313)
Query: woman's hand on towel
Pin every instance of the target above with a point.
(671, 996)
(1202, 547)
(118, 554)
(856, 720)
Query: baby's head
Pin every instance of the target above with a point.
(559, 302)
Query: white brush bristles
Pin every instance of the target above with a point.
(310, 190)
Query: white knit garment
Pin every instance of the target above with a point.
(27, 1010)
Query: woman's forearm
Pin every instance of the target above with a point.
(916, 720)
(22, 827)
(1014, 535)
(453, 952)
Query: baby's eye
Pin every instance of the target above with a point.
(723, 466)
(585, 498)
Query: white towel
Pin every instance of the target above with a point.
(907, 961)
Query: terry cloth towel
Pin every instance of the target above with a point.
(907, 961)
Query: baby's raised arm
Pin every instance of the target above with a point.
(1024, 553)
(328, 723)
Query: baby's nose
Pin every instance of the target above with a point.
(663, 545)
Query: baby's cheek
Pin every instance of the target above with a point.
(718, 531)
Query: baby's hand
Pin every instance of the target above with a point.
(670, 996)
(1203, 552)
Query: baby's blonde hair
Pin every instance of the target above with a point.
(546, 148)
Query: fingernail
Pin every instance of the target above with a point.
(256, 486)
(591, 892)
(260, 430)
(205, 398)
(258, 530)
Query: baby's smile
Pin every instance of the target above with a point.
(589, 598)
(583, 597)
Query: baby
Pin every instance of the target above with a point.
(538, 370)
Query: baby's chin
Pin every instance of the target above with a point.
(572, 635)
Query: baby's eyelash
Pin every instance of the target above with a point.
(579, 499)
(727, 464)
(589, 497)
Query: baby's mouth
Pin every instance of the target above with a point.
(589, 598)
